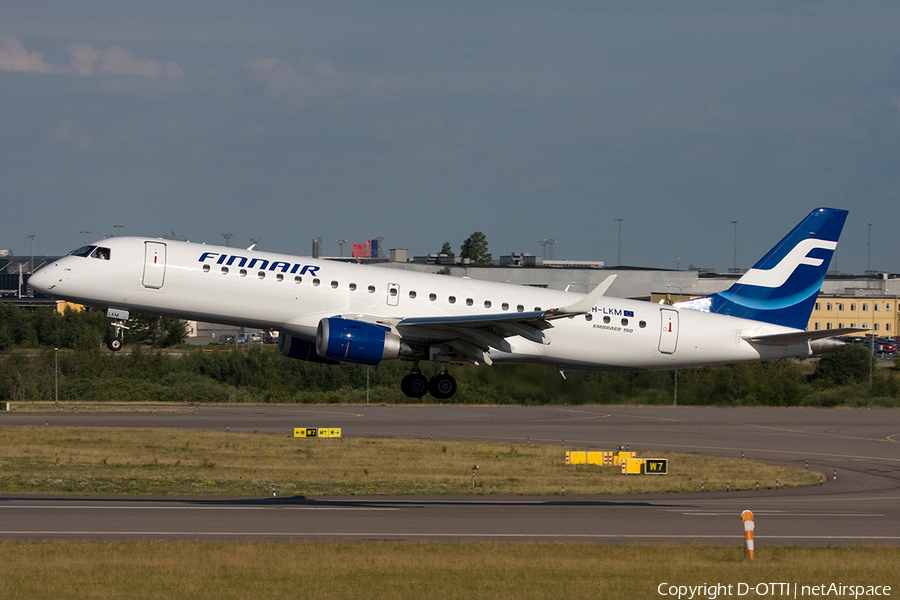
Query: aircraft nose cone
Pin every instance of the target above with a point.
(43, 280)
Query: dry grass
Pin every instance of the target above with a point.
(384, 570)
(105, 461)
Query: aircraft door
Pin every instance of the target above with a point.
(668, 333)
(393, 298)
(154, 264)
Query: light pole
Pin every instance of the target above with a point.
(869, 248)
(545, 243)
(31, 266)
(619, 221)
(680, 288)
(341, 243)
(84, 233)
(118, 229)
(734, 267)
(227, 237)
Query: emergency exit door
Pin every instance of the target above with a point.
(154, 264)
(668, 334)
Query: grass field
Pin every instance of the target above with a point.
(387, 570)
(107, 461)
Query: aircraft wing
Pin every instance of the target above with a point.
(474, 335)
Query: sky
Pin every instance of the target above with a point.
(424, 122)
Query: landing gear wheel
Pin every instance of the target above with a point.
(114, 344)
(414, 385)
(442, 386)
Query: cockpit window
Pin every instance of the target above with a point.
(83, 251)
(101, 253)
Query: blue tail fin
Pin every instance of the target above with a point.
(783, 286)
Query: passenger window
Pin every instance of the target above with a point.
(224, 270)
(261, 274)
(371, 289)
(432, 297)
(298, 279)
(243, 272)
(487, 303)
(505, 306)
(334, 284)
(206, 268)
(452, 299)
(412, 294)
(352, 287)
(469, 302)
(316, 281)
(520, 308)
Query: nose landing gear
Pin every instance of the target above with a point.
(115, 344)
(119, 317)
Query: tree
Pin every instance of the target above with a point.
(447, 250)
(848, 364)
(475, 248)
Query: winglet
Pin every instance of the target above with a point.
(585, 304)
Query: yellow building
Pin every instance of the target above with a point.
(878, 313)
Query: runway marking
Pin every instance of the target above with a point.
(813, 433)
(375, 534)
(586, 412)
(890, 438)
(330, 412)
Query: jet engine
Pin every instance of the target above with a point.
(346, 340)
(300, 349)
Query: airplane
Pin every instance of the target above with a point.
(334, 312)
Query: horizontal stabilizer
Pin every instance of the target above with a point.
(798, 337)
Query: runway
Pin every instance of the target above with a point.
(859, 504)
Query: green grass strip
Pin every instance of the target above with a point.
(395, 570)
(110, 461)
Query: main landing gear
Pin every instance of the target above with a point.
(442, 386)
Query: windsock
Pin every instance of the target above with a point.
(747, 518)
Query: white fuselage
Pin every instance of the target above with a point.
(292, 294)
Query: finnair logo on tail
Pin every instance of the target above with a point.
(780, 273)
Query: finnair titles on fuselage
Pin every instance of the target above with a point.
(260, 263)
(332, 312)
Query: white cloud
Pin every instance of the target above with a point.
(85, 60)
(82, 57)
(14, 57)
(281, 78)
(121, 61)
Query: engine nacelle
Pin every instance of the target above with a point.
(355, 341)
(300, 349)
